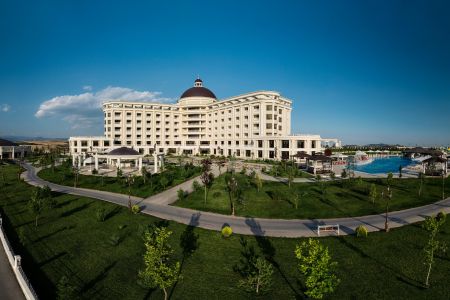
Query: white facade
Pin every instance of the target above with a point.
(254, 126)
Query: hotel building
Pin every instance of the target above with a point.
(255, 125)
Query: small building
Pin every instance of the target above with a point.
(301, 158)
(420, 152)
(319, 164)
(434, 166)
(11, 150)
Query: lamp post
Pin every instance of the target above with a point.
(387, 197)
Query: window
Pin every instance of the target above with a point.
(268, 107)
(268, 125)
(260, 143)
(301, 144)
(313, 144)
(271, 143)
(268, 117)
(285, 144)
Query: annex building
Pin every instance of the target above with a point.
(255, 125)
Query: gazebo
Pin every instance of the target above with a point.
(120, 156)
(301, 157)
(319, 164)
(434, 166)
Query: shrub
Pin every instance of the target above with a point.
(114, 240)
(196, 186)
(100, 214)
(226, 231)
(441, 216)
(361, 231)
(94, 171)
(180, 194)
(23, 238)
(216, 194)
(121, 226)
(263, 169)
(135, 209)
(243, 170)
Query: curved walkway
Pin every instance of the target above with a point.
(157, 206)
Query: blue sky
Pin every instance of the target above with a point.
(362, 71)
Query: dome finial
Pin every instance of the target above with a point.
(198, 82)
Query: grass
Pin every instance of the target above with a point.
(63, 175)
(69, 241)
(276, 200)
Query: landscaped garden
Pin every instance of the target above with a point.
(330, 199)
(285, 170)
(171, 176)
(75, 250)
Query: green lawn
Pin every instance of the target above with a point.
(340, 199)
(174, 174)
(70, 241)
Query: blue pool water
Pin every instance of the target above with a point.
(384, 165)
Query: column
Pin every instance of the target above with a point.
(155, 163)
(73, 160)
(119, 165)
(79, 161)
(13, 152)
(140, 163)
(96, 162)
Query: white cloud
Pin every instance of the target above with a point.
(4, 107)
(83, 110)
(87, 87)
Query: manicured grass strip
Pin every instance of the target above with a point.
(341, 199)
(70, 241)
(175, 175)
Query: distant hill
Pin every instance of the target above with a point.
(16, 138)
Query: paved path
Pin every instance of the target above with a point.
(157, 206)
(9, 287)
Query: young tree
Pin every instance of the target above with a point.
(400, 168)
(432, 224)
(373, 193)
(422, 180)
(316, 265)
(258, 182)
(159, 271)
(36, 204)
(144, 173)
(119, 172)
(290, 173)
(332, 176)
(443, 186)
(343, 176)
(387, 196)
(207, 180)
(259, 278)
(298, 197)
(76, 172)
(220, 163)
(233, 189)
(130, 181)
(164, 181)
(180, 194)
(389, 178)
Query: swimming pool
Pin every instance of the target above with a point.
(384, 165)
